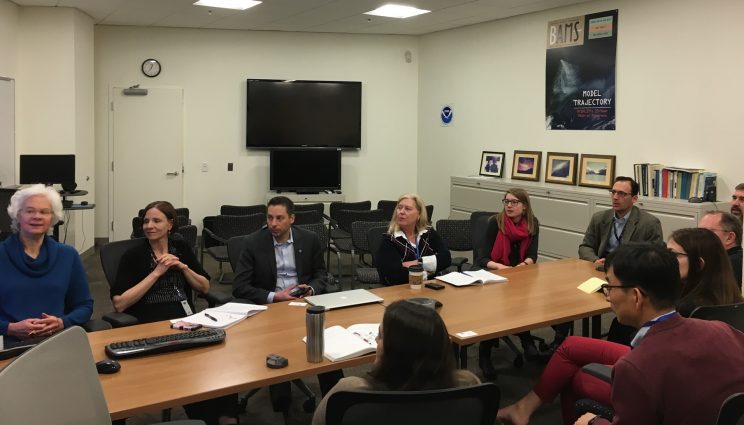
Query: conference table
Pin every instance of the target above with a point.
(534, 296)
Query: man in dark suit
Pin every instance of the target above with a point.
(728, 229)
(680, 370)
(278, 258)
(623, 223)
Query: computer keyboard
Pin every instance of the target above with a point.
(165, 343)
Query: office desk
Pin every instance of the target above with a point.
(535, 296)
(152, 383)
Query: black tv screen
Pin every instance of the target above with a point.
(305, 170)
(296, 113)
(48, 169)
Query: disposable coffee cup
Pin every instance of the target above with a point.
(416, 276)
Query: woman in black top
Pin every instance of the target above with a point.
(155, 281)
(410, 241)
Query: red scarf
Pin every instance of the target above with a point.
(506, 237)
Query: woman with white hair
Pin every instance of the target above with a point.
(410, 241)
(43, 286)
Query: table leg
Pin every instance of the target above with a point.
(585, 327)
(597, 326)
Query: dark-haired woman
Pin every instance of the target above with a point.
(511, 240)
(155, 281)
(707, 279)
(413, 353)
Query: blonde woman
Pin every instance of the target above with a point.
(410, 241)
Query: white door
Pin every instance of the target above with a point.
(146, 154)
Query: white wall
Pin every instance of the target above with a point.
(212, 66)
(8, 38)
(679, 86)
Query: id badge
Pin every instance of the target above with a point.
(187, 308)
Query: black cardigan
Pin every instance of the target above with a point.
(392, 254)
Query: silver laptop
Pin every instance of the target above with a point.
(344, 299)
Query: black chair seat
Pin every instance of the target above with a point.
(218, 252)
(367, 275)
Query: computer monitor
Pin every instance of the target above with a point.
(47, 169)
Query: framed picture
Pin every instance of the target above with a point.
(526, 165)
(492, 164)
(597, 171)
(561, 168)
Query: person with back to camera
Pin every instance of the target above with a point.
(155, 281)
(707, 281)
(511, 240)
(43, 285)
(414, 353)
(410, 241)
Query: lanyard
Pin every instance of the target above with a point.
(661, 318)
(614, 230)
(415, 247)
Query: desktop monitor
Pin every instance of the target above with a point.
(305, 170)
(47, 169)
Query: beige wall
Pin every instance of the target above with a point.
(212, 65)
(49, 53)
(679, 87)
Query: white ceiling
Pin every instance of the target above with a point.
(341, 16)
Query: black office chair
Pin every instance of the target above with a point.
(361, 246)
(318, 206)
(225, 227)
(474, 405)
(321, 230)
(235, 247)
(458, 236)
(732, 411)
(308, 217)
(336, 207)
(387, 206)
(243, 209)
(345, 220)
(733, 314)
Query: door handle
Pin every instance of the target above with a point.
(175, 173)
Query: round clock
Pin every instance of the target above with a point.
(151, 67)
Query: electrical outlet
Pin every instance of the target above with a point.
(229, 166)
(204, 167)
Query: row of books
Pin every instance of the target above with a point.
(674, 182)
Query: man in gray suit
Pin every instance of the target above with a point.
(623, 223)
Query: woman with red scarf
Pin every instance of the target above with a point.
(511, 241)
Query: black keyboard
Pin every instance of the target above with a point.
(165, 343)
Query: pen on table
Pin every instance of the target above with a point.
(210, 316)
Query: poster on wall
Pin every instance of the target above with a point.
(580, 72)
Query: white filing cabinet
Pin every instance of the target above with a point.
(564, 211)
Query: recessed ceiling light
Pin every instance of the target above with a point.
(228, 4)
(396, 11)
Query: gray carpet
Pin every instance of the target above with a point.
(514, 382)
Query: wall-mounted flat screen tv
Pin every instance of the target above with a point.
(47, 169)
(297, 113)
(305, 170)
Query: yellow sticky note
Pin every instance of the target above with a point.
(591, 285)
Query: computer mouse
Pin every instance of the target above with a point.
(275, 361)
(107, 366)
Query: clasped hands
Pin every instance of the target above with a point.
(35, 327)
(166, 262)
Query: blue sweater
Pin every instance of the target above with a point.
(54, 283)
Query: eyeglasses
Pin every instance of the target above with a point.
(606, 288)
(678, 254)
(619, 193)
(34, 211)
(511, 202)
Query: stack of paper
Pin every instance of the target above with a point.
(223, 316)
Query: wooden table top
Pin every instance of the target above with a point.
(535, 296)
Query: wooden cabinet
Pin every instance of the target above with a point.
(565, 211)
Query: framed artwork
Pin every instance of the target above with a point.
(597, 171)
(561, 168)
(526, 165)
(492, 164)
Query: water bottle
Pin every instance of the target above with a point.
(314, 322)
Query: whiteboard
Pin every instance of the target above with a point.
(7, 132)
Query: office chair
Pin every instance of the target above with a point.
(243, 209)
(473, 405)
(318, 206)
(321, 230)
(733, 314)
(335, 207)
(235, 247)
(225, 227)
(732, 411)
(63, 362)
(345, 220)
(361, 245)
(308, 217)
(389, 208)
(457, 235)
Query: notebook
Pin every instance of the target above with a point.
(471, 277)
(343, 299)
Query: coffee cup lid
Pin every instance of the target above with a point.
(416, 268)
